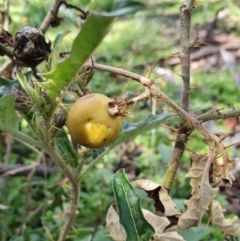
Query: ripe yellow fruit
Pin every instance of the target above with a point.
(90, 123)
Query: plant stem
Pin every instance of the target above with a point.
(21, 136)
(211, 115)
(183, 131)
(218, 114)
(191, 122)
(72, 176)
(185, 19)
(92, 164)
(155, 90)
(50, 15)
(5, 51)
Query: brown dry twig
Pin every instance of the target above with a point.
(51, 19)
(183, 130)
(156, 91)
(5, 51)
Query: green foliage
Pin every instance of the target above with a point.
(85, 43)
(154, 31)
(131, 130)
(8, 117)
(194, 234)
(129, 210)
(56, 50)
(65, 149)
(34, 93)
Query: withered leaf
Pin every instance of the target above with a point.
(158, 223)
(115, 228)
(192, 215)
(228, 226)
(163, 203)
(198, 165)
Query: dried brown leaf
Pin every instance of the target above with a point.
(202, 195)
(229, 226)
(208, 193)
(198, 165)
(220, 170)
(163, 203)
(115, 228)
(158, 223)
(195, 187)
(170, 236)
(197, 204)
(192, 215)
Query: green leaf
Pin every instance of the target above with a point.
(57, 44)
(34, 94)
(6, 82)
(194, 233)
(8, 116)
(26, 234)
(101, 6)
(128, 6)
(131, 130)
(4, 228)
(165, 152)
(129, 210)
(91, 35)
(102, 234)
(66, 149)
(6, 85)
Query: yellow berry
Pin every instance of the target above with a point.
(90, 123)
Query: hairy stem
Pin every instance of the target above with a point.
(21, 136)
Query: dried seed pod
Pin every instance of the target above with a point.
(30, 47)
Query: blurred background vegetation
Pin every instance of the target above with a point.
(145, 43)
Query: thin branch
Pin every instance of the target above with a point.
(25, 170)
(92, 164)
(139, 78)
(52, 18)
(217, 114)
(8, 142)
(5, 51)
(29, 188)
(73, 178)
(190, 4)
(183, 131)
(50, 15)
(21, 136)
(185, 19)
(13, 170)
(47, 231)
(156, 91)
